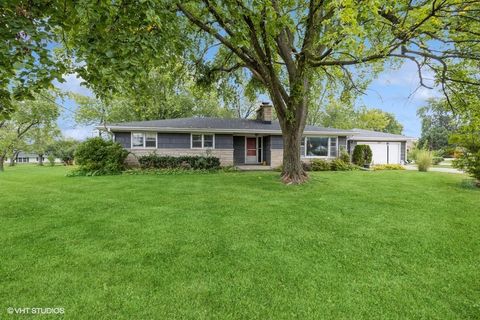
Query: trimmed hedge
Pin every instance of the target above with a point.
(333, 165)
(153, 161)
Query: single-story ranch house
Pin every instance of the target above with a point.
(244, 141)
(25, 157)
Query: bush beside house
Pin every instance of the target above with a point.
(362, 155)
(153, 161)
(97, 156)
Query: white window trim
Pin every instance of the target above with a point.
(329, 149)
(144, 140)
(203, 141)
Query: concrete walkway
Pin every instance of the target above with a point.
(447, 170)
(253, 167)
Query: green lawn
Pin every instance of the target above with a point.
(356, 245)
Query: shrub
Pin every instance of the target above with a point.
(362, 155)
(153, 161)
(96, 156)
(340, 165)
(424, 160)
(468, 138)
(344, 156)
(388, 167)
(412, 154)
(320, 165)
(437, 160)
(51, 159)
(307, 166)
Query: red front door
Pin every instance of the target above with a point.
(251, 145)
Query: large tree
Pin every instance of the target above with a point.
(286, 46)
(438, 122)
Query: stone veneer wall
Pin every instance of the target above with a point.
(225, 155)
(276, 157)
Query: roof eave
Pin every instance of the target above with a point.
(360, 138)
(215, 130)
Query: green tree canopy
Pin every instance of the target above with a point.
(28, 64)
(287, 46)
(438, 123)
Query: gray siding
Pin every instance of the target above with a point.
(174, 140)
(223, 141)
(238, 150)
(124, 138)
(342, 143)
(266, 149)
(403, 151)
(276, 142)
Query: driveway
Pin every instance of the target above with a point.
(448, 170)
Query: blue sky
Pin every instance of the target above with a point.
(395, 91)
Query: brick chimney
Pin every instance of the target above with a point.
(264, 112)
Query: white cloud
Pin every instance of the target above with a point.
(405, 76)
(73, 84)
(423, 94)
(79, 133)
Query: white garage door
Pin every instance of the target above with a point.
(384, 152)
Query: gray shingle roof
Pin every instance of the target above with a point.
(215, 123)
(240, 125)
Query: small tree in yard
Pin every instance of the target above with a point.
(51, 159)
(97, 156)
(41, 138)
(362, 155)
(64, 149)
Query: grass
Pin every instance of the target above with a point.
(356, 245)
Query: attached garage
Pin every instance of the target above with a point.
(386, 148)
(384, 152)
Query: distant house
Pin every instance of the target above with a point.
(23, 157)
(244, 141)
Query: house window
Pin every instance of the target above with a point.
(144, 140)
(202, 141)
(318, 146)
(150, 140)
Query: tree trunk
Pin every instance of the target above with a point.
(12, 161)
(292, 121)
(2, 159)
(293, 172)
(40, 159)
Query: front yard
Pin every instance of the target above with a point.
(240, 245)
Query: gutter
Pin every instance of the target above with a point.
(360, 138)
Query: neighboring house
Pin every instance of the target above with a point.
(243, 141)
(23, 157)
